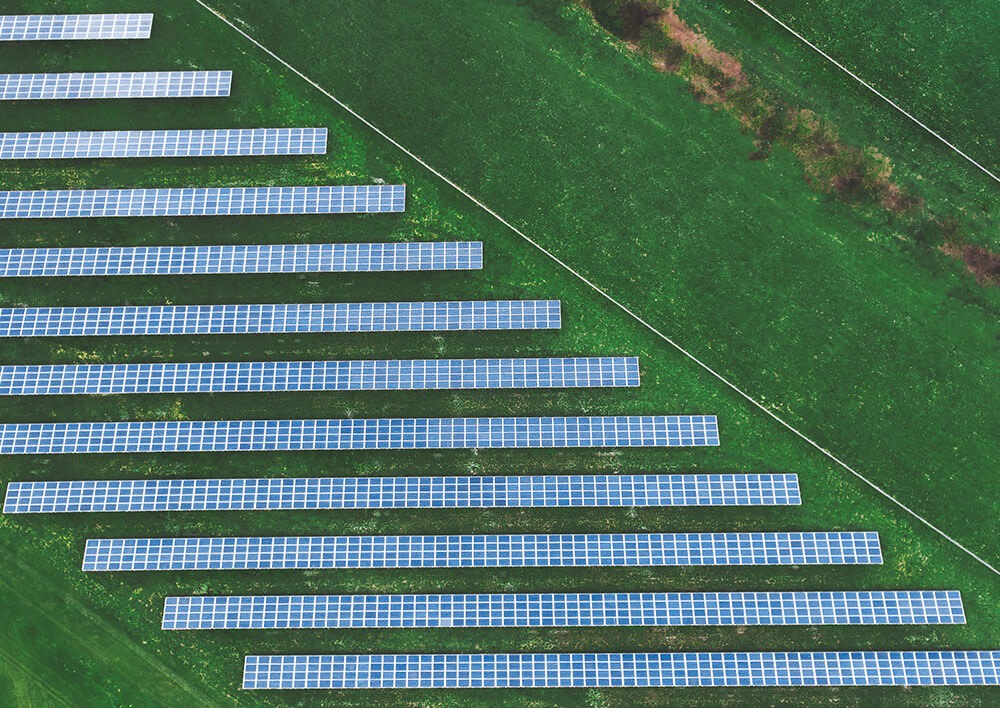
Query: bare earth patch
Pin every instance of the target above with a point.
(982, 263)
(700, 46)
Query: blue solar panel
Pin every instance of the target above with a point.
(28, 28)
(357, 434)
(162, 143)
(483, 551)
(257, 376)
(564, 610)
(282, 258)
(126, 84)
(280, 318)
(400, 492)
(862, 668)
(202, 201)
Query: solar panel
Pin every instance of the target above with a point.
(378, 375)
(204, 260)
(34, 28)
(357, 434)
(564, 610)
(124, 84)
(203, 201)
(861, 668)
(483, 551)
(163, 143)
(400, 492)
(279, 318)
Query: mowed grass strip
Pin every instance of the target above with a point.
(186, 36)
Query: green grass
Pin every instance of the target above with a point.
(935, 83)
(884, 355)
(938, 61)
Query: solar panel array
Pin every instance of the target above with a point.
(28, 28)
(870, 668)
(357, 434)
(399, 492)
(563, 610)
(906, 607)
(202, 201)
(162, 143)
(482, 551)
(377, 375)
(279, 318)
(124, 84)
(282, 258)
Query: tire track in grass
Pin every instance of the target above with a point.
(12, 662)
(151, 662)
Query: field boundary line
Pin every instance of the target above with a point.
(874, 90)
(420, 161)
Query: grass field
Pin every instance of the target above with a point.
(935, 83)
(938, 61)
(884, 354)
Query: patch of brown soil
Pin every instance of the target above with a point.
(636, 17)
(699, 46)
(981, 262)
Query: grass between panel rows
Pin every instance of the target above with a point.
(606, 160)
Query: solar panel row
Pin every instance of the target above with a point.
(202, 201)
(377, 375)
(27, 28)
(357, 434)
(399, 492)
(281, 258)
(162, 143)
(125, 84)
(279, 318)
(869, 668)
(564, 610)
(483, 551)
